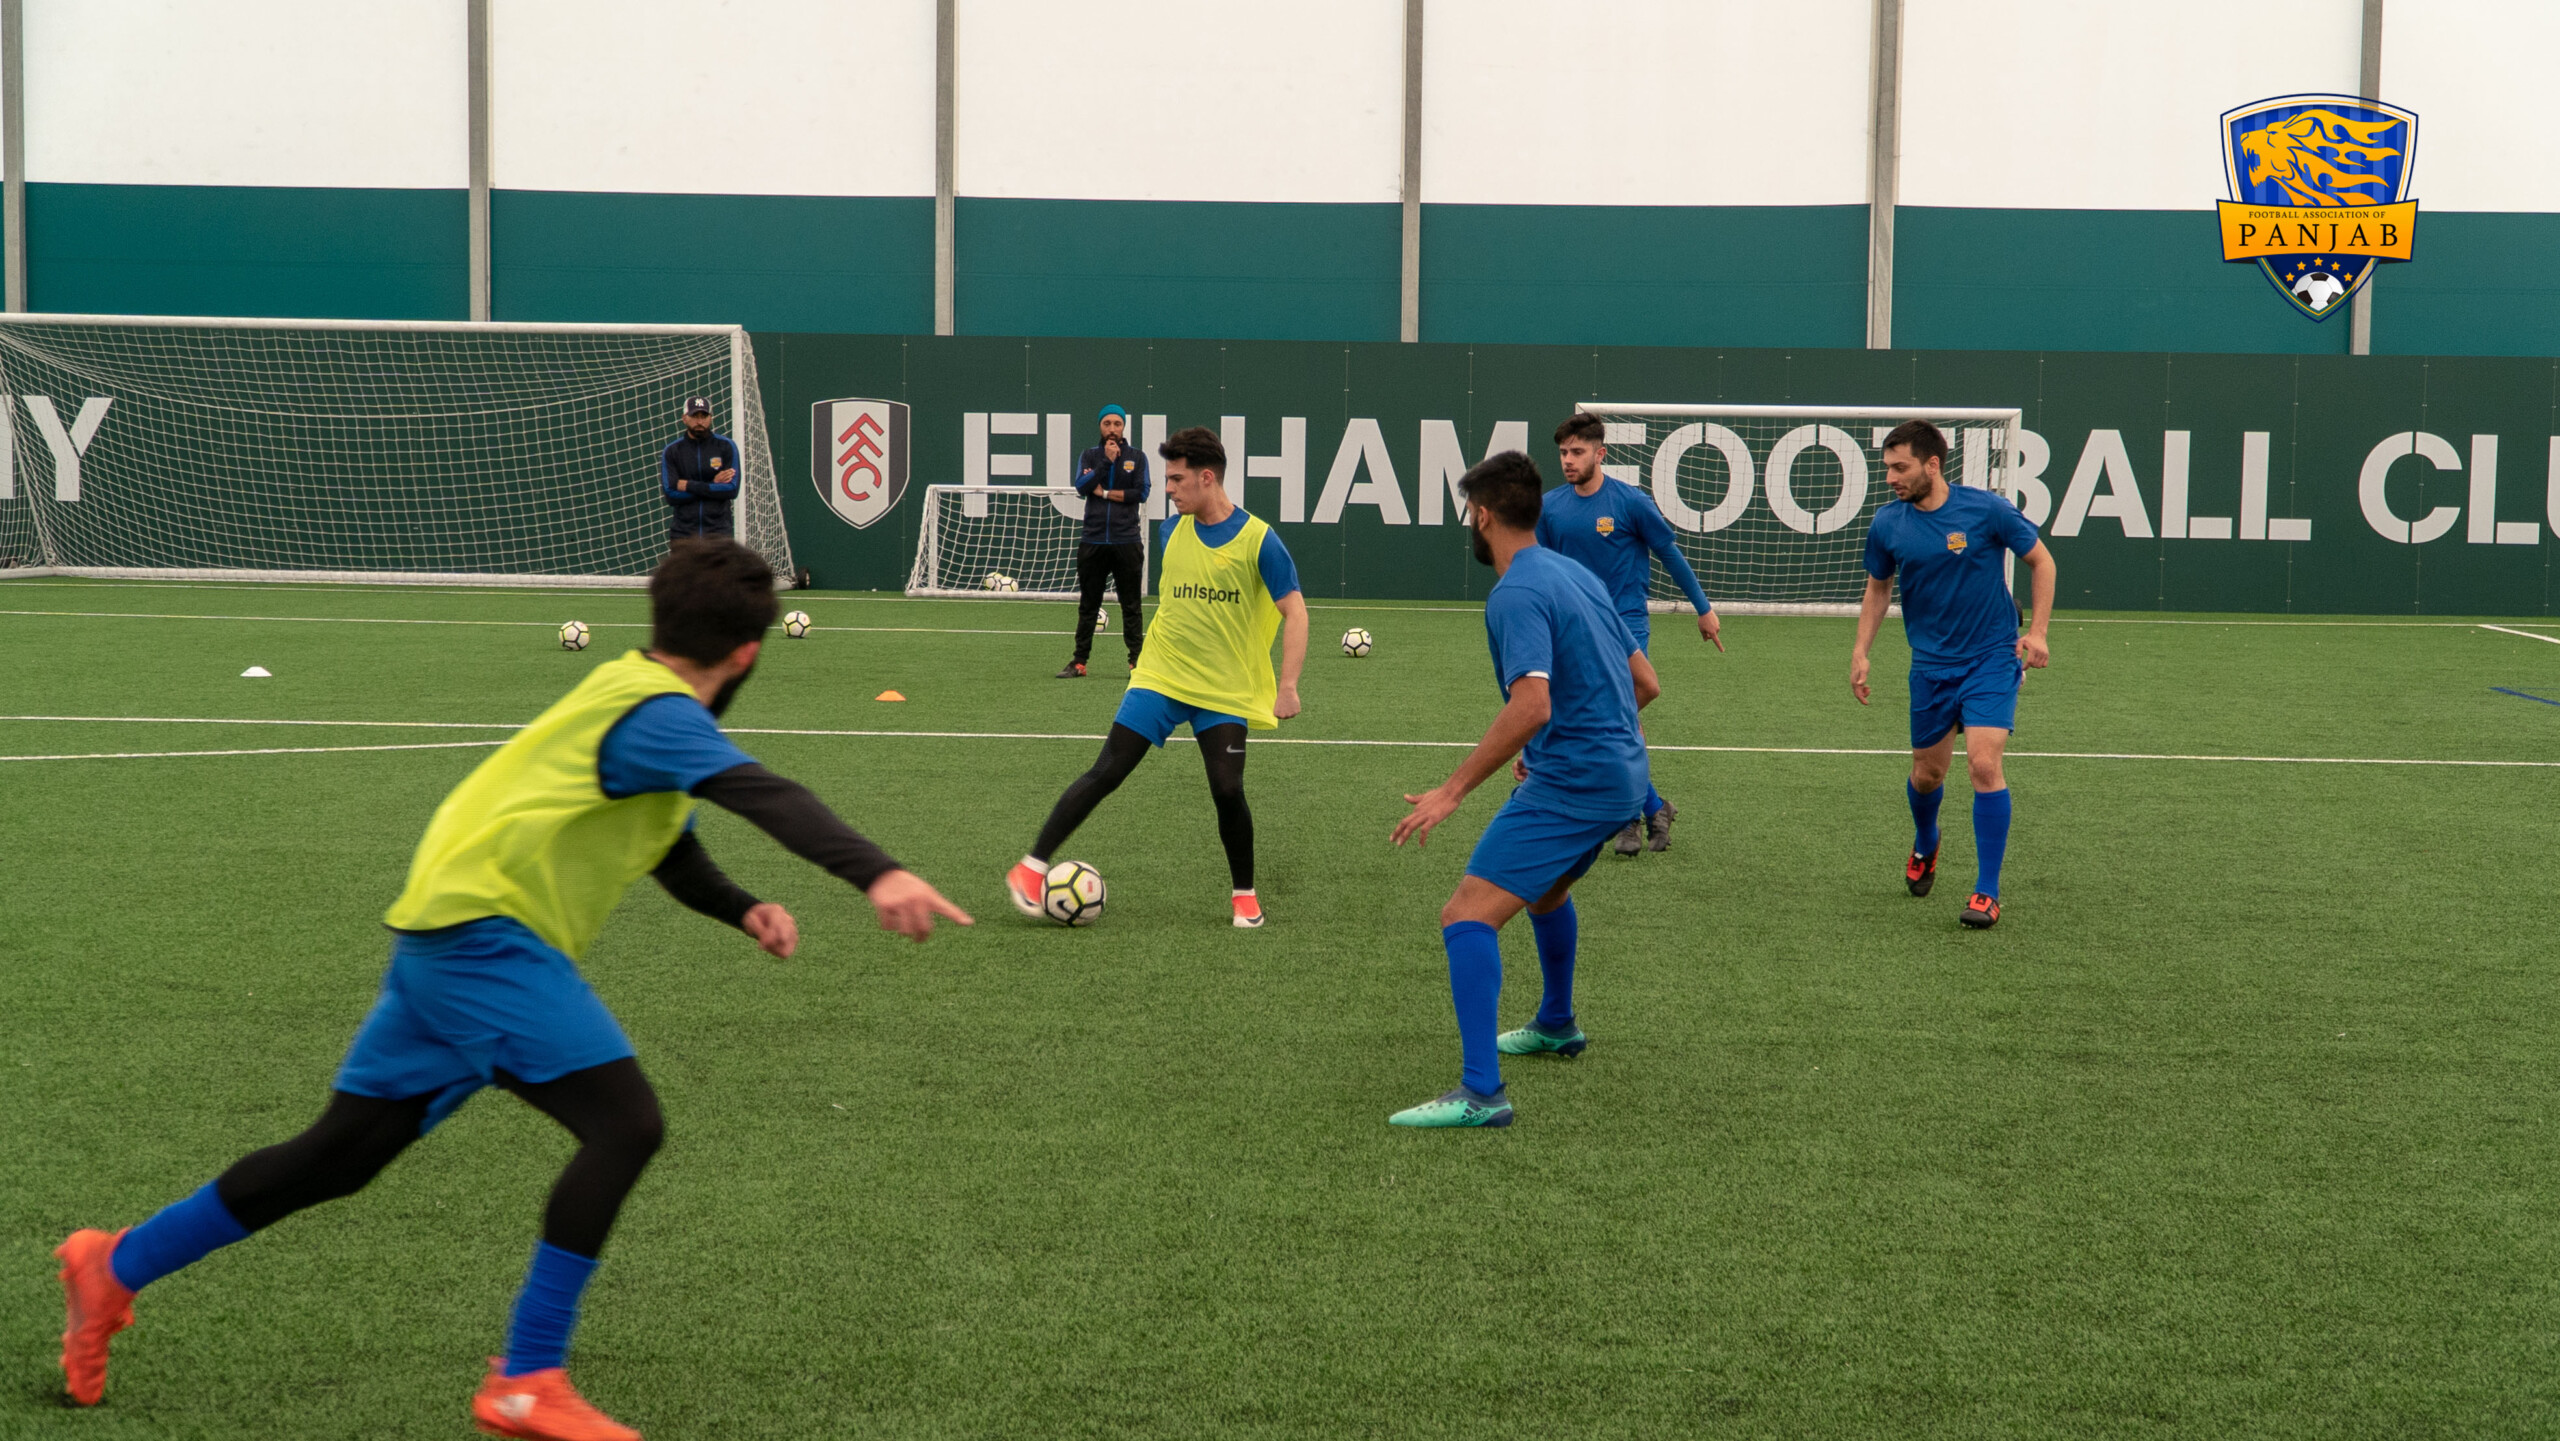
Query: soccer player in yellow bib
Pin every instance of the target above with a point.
(1228, 587)
(516, 874)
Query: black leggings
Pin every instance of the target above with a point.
(1221, 752)
(609, 1108)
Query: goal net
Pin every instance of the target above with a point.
(1010, 542)
(387, 451)
(1771, 502)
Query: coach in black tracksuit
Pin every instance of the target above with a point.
(698, 474)
(1112, 478)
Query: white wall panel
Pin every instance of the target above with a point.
(713, 97)
(2478, 72)
(1645, 102)
(247, 92)
(2040, 104)
(1182, 99)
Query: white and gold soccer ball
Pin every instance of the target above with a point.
(797, 625)
(1357, 643)
(999, 581)
(574, 635)
(1073, 894)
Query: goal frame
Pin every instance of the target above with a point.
(740, 364)
(928, 562)
(2011, 419)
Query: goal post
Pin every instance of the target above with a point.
(1004, 542)
(1770, 503)
(425, 452)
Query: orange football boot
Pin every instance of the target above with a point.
(1248, 912)
(95, 1306)
(541, 1406)
(1024, 883)
(1981, 912)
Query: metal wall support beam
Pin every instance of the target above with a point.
(946, 190)
(2368, 85)
(476, 42)
(1884, 167)
(1409, 308)
(13, 149)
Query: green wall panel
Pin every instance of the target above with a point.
(247, 250)
(2482, 284)
(1645, 275)
(1207, 269)
(2319, 421)
(2087, 280)
(771, 262)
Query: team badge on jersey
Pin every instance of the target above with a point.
(858, 457)
(1128, 465)
(2319, 193)
(1955, 541)
(1606, 525)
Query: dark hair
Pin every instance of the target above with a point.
(709, 597)
(1506, 487)
(1196, 446)
(1925, 441)
(1583, 425)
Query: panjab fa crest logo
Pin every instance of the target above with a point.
(858, 457)
(1606, 526)
(2319, 193)
(1955, 541)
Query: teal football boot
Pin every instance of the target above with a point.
(1536, 1040)
(1460, 1107)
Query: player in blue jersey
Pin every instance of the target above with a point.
(1572, 680)
(1618, 532)
(1944, 544)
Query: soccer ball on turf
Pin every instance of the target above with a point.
(573, 635)
(797, 625)
(998, 580)
(1356, 642)
(1073, 894)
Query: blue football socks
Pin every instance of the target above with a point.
(1652, 801)
(1924, 817)
(1990, 837)
(1475, 986)
(1558, 933)
(183, 1233)
(547, 1309)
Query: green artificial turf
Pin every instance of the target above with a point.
(2238, 1124)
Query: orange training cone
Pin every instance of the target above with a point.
(888, 695)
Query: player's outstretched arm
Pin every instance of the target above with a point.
(1527, 710)
(790, 813)
(690, 875)
(2041, 575)
(1293, 652)
(1658, 538)
(1870, 620)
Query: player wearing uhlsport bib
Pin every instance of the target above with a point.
(1228, 587)
(1618, 532)
(1572, 681)
(515, 877)
(1944, 545)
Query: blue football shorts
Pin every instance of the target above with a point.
(1153, 714)
(1529, 848)
(461, 1004)
(1984, 693)
(1640, 625)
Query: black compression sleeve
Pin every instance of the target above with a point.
(691, 876)
(788, 812)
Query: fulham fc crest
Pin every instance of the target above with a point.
(858, 456)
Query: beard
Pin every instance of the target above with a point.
(1483, 548)
(729, 692)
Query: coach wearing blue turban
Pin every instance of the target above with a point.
(1112, 478)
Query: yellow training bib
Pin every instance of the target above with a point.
(1209, 642)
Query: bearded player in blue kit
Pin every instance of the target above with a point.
(1617, 532)
(1572, 681)
(1944, 544)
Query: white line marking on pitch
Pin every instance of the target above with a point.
(1267, 741)
(2528, 635)
(520, 624)
(266, 751)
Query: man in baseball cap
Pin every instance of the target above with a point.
(698, 474)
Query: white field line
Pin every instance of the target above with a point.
(287, 588)
(519, 624)
(1268, 741)
(2528, 635)
(265, 751)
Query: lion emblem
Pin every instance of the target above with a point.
(2320, 157)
